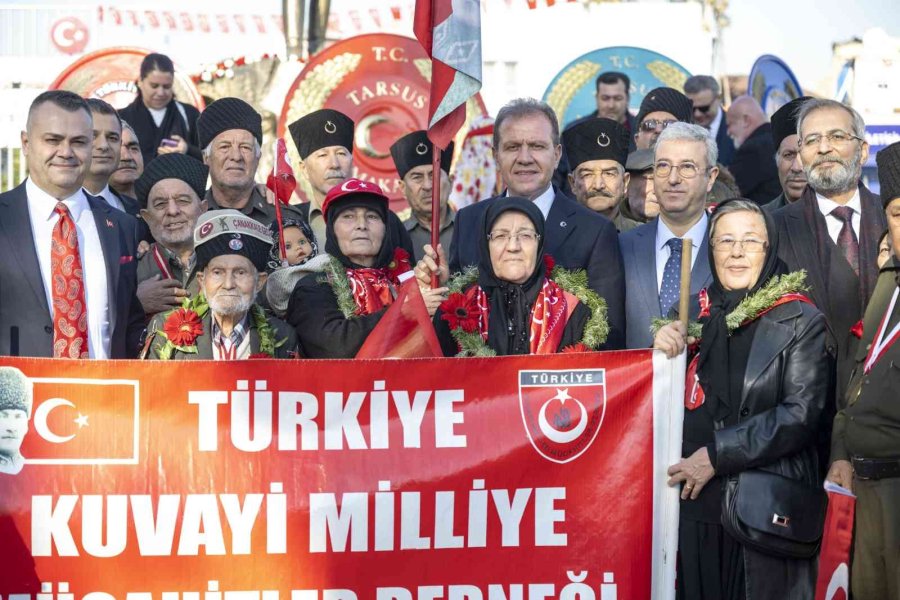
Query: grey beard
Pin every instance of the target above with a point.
(839, 179)
(236, 309)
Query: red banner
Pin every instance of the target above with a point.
(834, 558)
(516, 477)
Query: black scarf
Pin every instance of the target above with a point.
(509, 321)
(389, 243)
(149, 135)
(723, 358)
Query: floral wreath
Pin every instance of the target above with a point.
(336, 276)
(750, 308)
(184, 325)
(461, 313)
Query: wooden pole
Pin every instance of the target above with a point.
(435, 207)
(687, 248)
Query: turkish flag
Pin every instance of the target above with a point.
(405, 330)
(281, 179)
(834, 557)
(83, 421)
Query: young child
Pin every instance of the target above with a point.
(299, 243)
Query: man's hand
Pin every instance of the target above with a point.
(142, 248)
(672, 338)
(841, 473)
(159, 295)
(429, 264)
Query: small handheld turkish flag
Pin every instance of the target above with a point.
(281, 180)
(405, 330)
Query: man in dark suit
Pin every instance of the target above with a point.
(787, 155)
(527, 150)
(832, 231)
(684, 173)
(703, 91)
(753, 165)
(49, 223)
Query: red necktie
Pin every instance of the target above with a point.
(846, 240)
(70, 338)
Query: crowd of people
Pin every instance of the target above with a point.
(143, 233)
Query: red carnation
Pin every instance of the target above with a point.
(575, 348)
(460, 313)
(549, 263)
(857, 330)
(182, 327)
(399, 264)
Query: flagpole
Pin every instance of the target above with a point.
(281, 249)
(435, 206)
(687, 248)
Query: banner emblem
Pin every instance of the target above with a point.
(562, 410)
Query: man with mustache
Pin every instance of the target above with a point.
(131, 163)
(598, 149)
(16, 400)
(832, 231)
(170, 191)
(231, 255)
(412, 156)
(787, 155)
(230, 134)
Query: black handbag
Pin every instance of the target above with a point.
(774, 515)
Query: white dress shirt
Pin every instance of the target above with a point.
(108, 195)
(544, 201)
(835, 224)
(41, 209)
(663, 252)
(716, 123)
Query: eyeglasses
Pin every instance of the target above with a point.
(652, 124)
(684, 170)
(837, 137)
(725, 245)
(704, 109)
(501, 238)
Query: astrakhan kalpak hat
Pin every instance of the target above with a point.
(888, 161)
(172, 166)
(321, 129)
(415, 150)
(596, 139)
(225, 114)
(16, 390)
(228, 231)
(666, 99)
(784, 120)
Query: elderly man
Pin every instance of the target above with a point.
(865, 448)
(703, 92)
(787, 155)
(641, 202)
(684, 173)
(16, 399)
(324, 140)
(224, 322)
(131, 163)
(170, 191)
(412, 156)
(660, 108)
(527, 150)
(49, 223)
(230, 134)
(597, 149)
(832, 231)
(752, 166)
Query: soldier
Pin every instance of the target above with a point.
(412, 156)
(865, 447)
(223, 321)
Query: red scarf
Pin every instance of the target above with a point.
(693, 392)
(372, 289)
(549, 315)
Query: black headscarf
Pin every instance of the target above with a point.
(389, 243)
(509, 323)
(275, 252)
(723, 358)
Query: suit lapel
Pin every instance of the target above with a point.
(700, 273)
(802, 240)
(645, 253)
(560, 223)
(108, 232)
(16, 225)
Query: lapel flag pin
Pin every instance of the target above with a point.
(109, 223)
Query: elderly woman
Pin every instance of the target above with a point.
(223, 321)
(341, 295)
(752, 506)
(511, 304)
(162, 123)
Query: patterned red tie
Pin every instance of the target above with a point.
(70, 338)
(846, 240)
